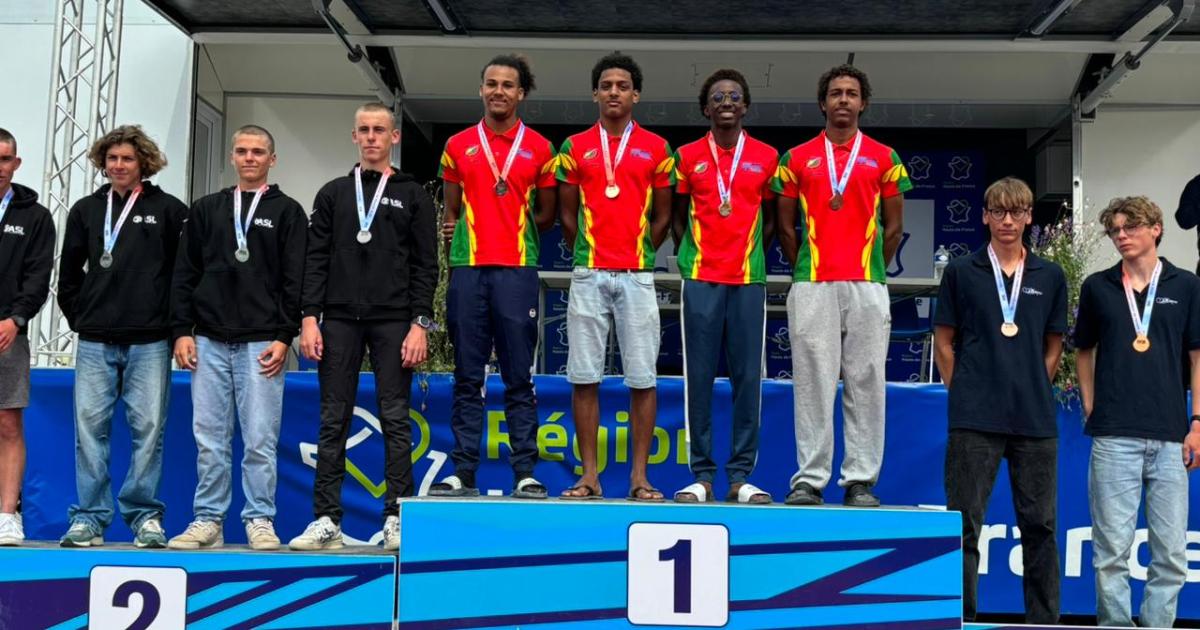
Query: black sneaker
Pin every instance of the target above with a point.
(858, 494)
(804, 494)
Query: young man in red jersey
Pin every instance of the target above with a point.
(724, 218)
(500, 194)
(615, 201)
(845, 191)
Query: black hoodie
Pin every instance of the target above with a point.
(392, 277)
(26, 255)
(214, 295)
(126, 303)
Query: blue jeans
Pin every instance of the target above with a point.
(1118, 470)
(139, 375)
(627, 297)
(227, 385)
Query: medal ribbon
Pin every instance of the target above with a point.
(501, 176)
(111, 232)
(725, 191)
(8, 196)
(1008, 304)
(1141, 325)
(365, 218)
(610, 165)
(240, 229)
(839, 185)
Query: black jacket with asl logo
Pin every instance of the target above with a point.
(128, 302)
(215, 295)
(26, 255)
(391, 277)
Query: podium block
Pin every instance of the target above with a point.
(43, 586)
(504, 563)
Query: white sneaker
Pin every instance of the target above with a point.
(391, 533)
(199, 535)
(320, 534)
(150, 535)
(260, 533)
(12, 533)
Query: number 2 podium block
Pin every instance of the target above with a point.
(43, 586)
(502, 563)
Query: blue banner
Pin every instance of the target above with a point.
(912, 470)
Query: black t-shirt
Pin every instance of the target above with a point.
(1000, 383)
(1139, 394)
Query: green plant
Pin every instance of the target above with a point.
(441, 352)
(1074, 249)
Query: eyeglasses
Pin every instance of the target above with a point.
(719, 97)
(1128, 228)
(1018, 214)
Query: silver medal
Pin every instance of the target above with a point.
(106, 260)
(364, 236)
(242, 255)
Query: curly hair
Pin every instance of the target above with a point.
(724, 74)
(517, 62)
(1138, 210)
(844, 70)
(150, 158)
(617, 59)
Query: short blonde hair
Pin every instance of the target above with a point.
(376, 107)
(1008, 193)
(1138, 210)
(150, 159)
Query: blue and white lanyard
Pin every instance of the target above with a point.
(1008, 304)
(365, 217)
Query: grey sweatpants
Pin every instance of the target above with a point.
(838, 327)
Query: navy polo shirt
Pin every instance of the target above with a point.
(1139, 394)
(1000, 383)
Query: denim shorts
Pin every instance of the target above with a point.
(628, 298)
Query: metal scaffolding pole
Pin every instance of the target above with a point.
(83, 101)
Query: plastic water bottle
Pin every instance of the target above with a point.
(941, 258)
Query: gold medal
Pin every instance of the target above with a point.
(1142, 343)
(1009, 329)
(726, 208)
(836, 201)
(611, 191)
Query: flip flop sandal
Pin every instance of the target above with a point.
(748, 494)
(452, 486)
(635, 494)
(695, 493)
(530, 488)
(592, 493)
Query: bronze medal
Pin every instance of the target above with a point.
(1009, 329)
(836, 201)
(1142, 343)
(726, 208)
(501, 188)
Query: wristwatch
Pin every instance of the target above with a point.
(19, 321)
(423, 322)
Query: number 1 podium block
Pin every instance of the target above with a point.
(503, 563)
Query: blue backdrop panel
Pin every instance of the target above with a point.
(768, 567)
(58, 588)
(912, 468)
